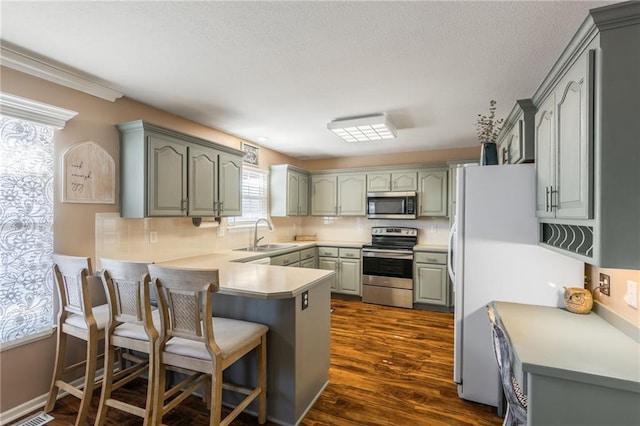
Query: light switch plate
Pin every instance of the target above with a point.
(632, 294)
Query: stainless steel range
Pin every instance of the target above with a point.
(387, 267)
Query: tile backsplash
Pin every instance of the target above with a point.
(157, 239)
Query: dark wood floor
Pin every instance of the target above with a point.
(389, 366)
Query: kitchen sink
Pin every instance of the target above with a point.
(267, 247)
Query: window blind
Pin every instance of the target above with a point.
(254, 198)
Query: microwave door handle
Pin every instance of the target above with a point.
(452, 233)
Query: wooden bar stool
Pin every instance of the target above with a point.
(76, 318)
(193, 340)
(133, 325)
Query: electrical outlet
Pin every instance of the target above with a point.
(632, 294)
(305, 300)
(605, 284)
(153, 237)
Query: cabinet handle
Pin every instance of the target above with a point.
(221, 204)
(184, 204)
(551, 204)
(546, 199)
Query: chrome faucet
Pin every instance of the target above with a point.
(256, 240)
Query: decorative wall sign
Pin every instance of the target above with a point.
(252, 154)
(88, 175)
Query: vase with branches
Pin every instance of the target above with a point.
(488, 128)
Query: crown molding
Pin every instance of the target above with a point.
(40, 67)
(28, 109)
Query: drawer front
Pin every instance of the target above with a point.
(349, 253)
(431, 257)
(286, 259)
(307, 253)
(328, 251)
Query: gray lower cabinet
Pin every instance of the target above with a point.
(309, 258)
(165, 173)
(433, 193)
(347, 263)
(431, 284)
(287, 259)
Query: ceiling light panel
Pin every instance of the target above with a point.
(362, 129)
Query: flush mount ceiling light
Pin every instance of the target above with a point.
(364, 128)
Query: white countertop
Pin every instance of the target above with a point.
(585, 348)
(431, 247)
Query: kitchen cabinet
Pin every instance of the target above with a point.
(309, 258)
(563, 143)
(431, 284)
(392, 181)
(516, 140)
(288, 191)
(287, 259)
(347, 263)
(338, 194)
(432, 193)
(165, 173)
(587, 127)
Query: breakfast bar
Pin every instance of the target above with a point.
(576, 369)
(298, 345)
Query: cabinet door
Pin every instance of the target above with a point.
(432, 196)
(378, 182)
(431, 284)
(308, 263)
(350, 276)
(324, 195)
(573, 144)
(167, 181)
(514, 145)
(203, 181)
(293, 185)
(330, 264)
(352, 195)
(303, 195)
(405, 181)
(545, 157)
(230, 187)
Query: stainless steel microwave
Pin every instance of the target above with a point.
(392, 205)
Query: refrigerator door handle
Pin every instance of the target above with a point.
(452, 233)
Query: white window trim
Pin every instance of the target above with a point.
(38, 112)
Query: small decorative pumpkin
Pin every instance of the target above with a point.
(578, 300)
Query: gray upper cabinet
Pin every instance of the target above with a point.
(352, 195)
(587, 150)
(165, 173)
(338, 194)
(288, 191)
(324, 195)
(392, 181)
(516, 140)
(563, 145)
(167, 180)
(432, 193)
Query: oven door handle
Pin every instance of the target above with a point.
(387, 254)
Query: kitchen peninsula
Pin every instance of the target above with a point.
(298, 347)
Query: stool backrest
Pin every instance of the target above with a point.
(71, 274)
(184, 298)
(127, 287)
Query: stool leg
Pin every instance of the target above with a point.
(261, 361)
(89, 379)
(58, 368)
(107, 383)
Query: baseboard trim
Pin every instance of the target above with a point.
(37, 403)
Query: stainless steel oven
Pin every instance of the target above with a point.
(387, 267)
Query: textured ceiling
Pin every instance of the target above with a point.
(282, 70)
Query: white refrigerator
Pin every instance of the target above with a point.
(494, 255)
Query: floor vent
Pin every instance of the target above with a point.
(36, 420)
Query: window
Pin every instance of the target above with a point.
(26, 217)
(26, 228)
(254, 198)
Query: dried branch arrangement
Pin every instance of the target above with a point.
(488, 127)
